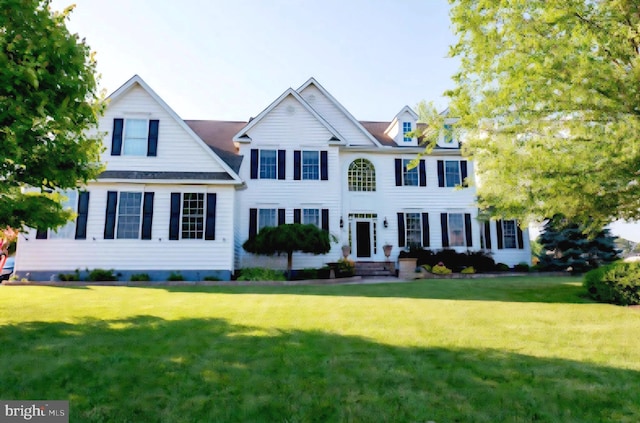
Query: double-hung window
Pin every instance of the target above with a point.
(311, 165)
(456, 230)
(268, 164)
(134, 137)
(409, 175)
(129, 215)
(192, 215)
(67, 231)
(267, 217)
(413, 229)
(311, 216)
(452, 173)
(406, 128)
(509, 234)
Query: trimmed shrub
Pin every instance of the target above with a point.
(617, 283)
(501, 267)
(479, 260)
(140, 277)
(468, 270)
(70, 277)
(175, 277)
(521, 267)
(211, 278)
(102, 275)
(261, 274)
(440, 269)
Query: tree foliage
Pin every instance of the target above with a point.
(565, 245)
(548, 96)
(306, 238)
(49, 108)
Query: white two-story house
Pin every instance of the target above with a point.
(184, 195)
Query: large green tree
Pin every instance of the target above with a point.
(49, 107)
(306, 238)
(548, 95)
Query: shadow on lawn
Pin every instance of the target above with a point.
(543, 290)
(154, 370)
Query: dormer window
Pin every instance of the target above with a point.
(448, 133)
(406, 128)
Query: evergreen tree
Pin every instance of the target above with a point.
(565, 245)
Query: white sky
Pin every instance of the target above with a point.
(229, 59)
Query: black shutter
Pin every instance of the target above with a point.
(467, 229)
(423, 173)
(174, 217)
(425, 230)
(499, 233)
(152, 139)
(210, 220)
(520, 236)
(297, 213)
(325, 220)
(324, 166)
(83, 213)
(254, 163)
(110, 216)
(253, 223)
(280, 217)
(147, 215)
(297, 167)
(463, 173)
(282, 164)
(401, 234)
(116, 137)
(444, 226)
(487, 235)
(440, 173)
(41, 233)
(399, 172)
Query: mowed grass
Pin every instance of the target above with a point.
(482, 350)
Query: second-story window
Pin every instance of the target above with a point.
(362, 175)
(268, 164)
(452, 173)
(310, 165)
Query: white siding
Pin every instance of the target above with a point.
(177, 150)
(158, 253)
(288, 127)
(336, 118)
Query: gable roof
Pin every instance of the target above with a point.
(379, 130)
(242, 136)
(312, 81)
(137, 80)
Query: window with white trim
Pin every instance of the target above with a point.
(457, 236)
(68, 231)
(509, 234)
(413, 228)
(410, 177)
(311, 165)
(406, 127)
(136, 132)
(268, 164)
(267, 217)
(452, 173)
(311, 216)
(129, 215)
(192, 215)
(362, 175)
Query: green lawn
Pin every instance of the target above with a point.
(483, 350)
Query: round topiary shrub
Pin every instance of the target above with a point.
(617, 283)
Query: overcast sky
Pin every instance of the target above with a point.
(229, 59)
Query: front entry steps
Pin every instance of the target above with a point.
(375, 268)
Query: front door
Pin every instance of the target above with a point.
(363, 239)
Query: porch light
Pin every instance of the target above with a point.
(341, 222)
(385, 223)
